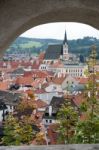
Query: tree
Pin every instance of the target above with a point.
(25, 109)
(27, 103)
(40, 138)
(16, 133)
(67, 118)
(18, 128)
(87, 131)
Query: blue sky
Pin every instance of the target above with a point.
(56, 31)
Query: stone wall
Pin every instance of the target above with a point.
(57, 147)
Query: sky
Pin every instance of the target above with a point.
(57, 30)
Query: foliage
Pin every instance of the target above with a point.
(18, 128)
(27, 103)
(32, 45)
(40, 138)
(67, 118)
(87, 131)
(16, 133)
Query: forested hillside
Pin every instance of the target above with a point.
(79, 46)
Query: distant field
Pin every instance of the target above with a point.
(31, 44)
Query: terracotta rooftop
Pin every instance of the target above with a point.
(58, 64)
(36, 64)
(24, 80)
(82, 80)
(52, 134)
(4, 85)
(78, 99)
(39, 74)
(42, 55)
(58, 80)
(39, 91)
(40, 103)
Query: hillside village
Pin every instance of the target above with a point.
(53, 76)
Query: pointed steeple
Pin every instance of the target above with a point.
(65, 47)
(65, 38)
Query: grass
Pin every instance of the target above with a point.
(31, 44)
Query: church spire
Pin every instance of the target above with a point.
(65, 38)
(65, 47)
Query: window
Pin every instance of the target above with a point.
(14, 107)
(50, 121)
(46, 121)
(10, 107)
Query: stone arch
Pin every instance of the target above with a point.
(18, 16)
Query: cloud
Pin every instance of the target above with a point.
(56, 31)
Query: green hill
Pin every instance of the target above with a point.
(32, 45)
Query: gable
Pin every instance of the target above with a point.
(70, 80)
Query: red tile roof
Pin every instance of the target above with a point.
(39, 91)
(36, 64)
(57, 64)
(39, 74)
(82, 80)
(27, 73)
(42, 55)
(25, 63)
(14, 64)
(38, 82)
(78, 99)
(40, 103)
(59, 80)
(4, 85)
(52, 134)
(24, 80)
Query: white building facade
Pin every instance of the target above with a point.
(76, 70)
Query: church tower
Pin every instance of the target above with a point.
(65, 48)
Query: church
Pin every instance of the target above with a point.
(59, 60)
(59, 52)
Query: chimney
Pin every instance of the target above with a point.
(40, 86)
(64, 75)
(58, 75)
(50, 110)
(89, 94)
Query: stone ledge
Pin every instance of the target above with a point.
(54, 147)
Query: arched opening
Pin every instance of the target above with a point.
(51, 75)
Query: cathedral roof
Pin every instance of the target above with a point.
(54, 51)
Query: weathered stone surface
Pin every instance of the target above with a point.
(54, 147)
(17, 16)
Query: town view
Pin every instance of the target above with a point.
(49, 91)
